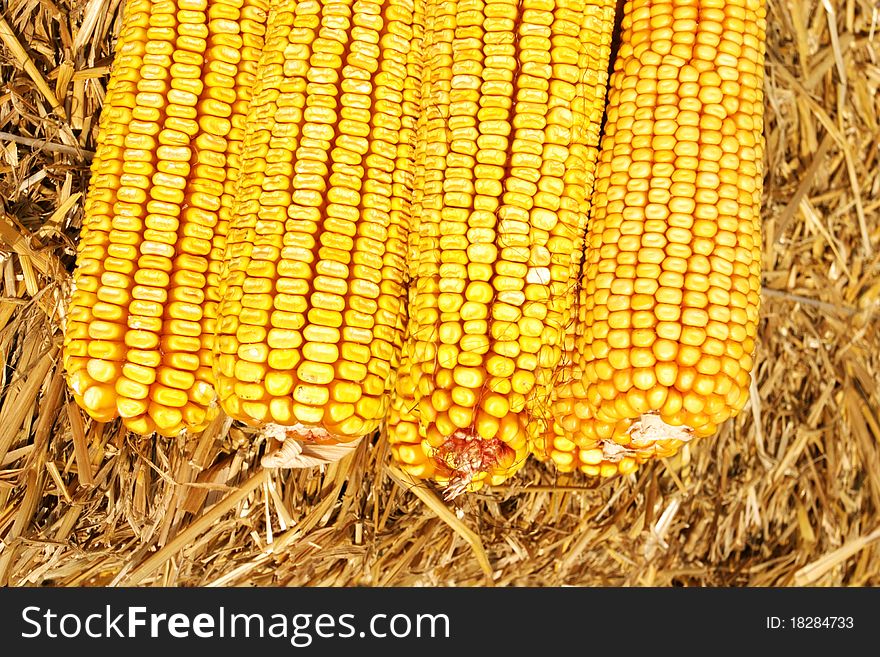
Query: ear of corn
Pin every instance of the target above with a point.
(555, 359)
(140, 320)
(671, 280)
(311, 317)
(512, 100)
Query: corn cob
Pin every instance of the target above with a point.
(141, 316)
(554, 371)
(671, 282)
(311, 317)
(512, 97)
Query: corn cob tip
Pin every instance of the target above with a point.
(301, 446)
(465, 459)
(649, 429)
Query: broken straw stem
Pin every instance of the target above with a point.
(23, 59)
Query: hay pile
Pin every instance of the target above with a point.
(787, 494)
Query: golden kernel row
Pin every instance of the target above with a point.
(671, 282)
